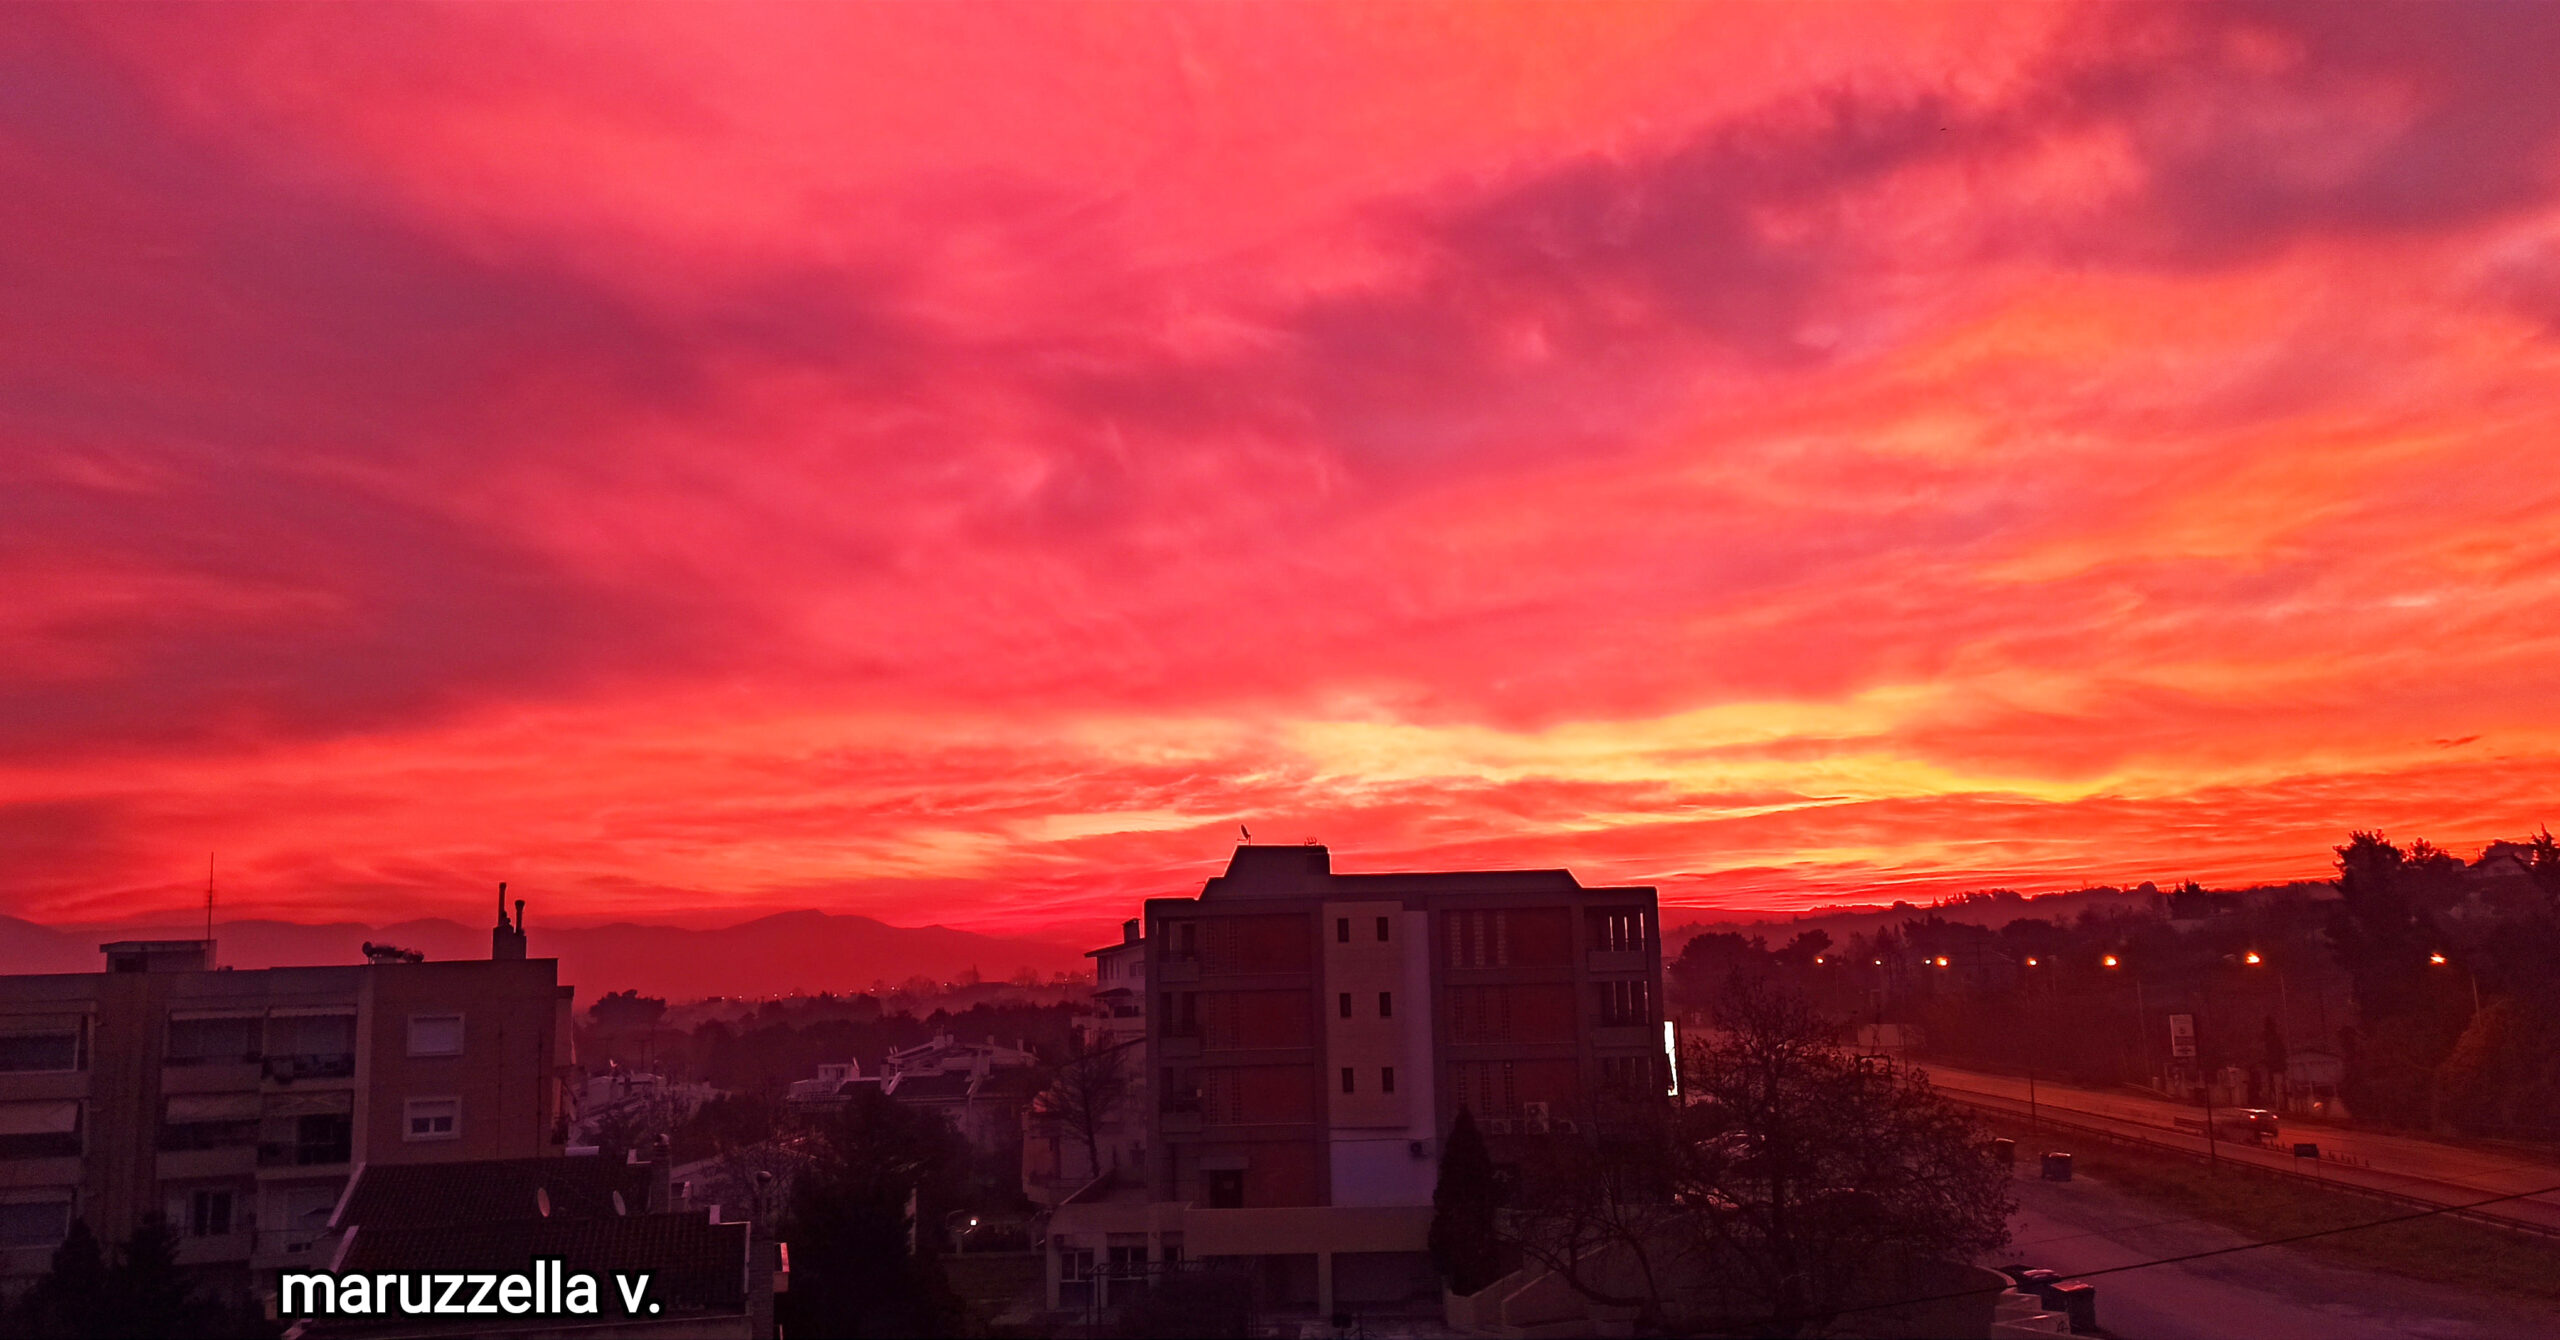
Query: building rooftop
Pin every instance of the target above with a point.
(482, 1191)
(696, 1267)
(1304, 871)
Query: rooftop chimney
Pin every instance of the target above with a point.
(507, 941)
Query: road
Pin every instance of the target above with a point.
(2265, 1293)
(2423, 1169)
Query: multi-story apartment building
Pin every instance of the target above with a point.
(236, 1103)
(1312, 1035)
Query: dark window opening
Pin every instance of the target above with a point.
(209, 1214)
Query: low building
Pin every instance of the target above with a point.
(236, 1104)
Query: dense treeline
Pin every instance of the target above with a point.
(2427, 978)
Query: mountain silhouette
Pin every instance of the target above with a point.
(805, 951)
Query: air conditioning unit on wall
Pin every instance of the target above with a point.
(1533, 1118)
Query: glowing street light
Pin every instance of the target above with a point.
(2439, 960)
(2110, 961)
(1942, 960)
(2251, 957)
(2031, 960)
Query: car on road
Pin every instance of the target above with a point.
(2250, 1125)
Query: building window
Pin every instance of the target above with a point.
(42, 1129)
(1387, 1079)
(35, 1223)
(311, 1046)
(1342, 930)
(209, 1214)
(1626, 1004)
(1346, 1004)
(35, 1045)
(212, 1041)
(1226, 1189)
(1618, 929)
(1346, 1079)
(1386, 1004)
(302, 1129)
(209, 1120)
(1382, 930)
(1075, 1263)
(434, 1118)
(435, 1035)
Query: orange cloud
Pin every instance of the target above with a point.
(955, 464)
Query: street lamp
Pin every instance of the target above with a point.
(2440, 960)
(2284, 1018)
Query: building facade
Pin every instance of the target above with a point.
(1311, 1036)
(237, 1103)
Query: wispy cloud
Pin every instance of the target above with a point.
(956, 464)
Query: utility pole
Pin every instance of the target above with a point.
(2211, 1154)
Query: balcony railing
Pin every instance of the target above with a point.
(320, 1065)
(307, 1153)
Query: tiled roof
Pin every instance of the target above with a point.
(425, 1195)
(1010, 1082)
(694, 1265)
(949, 1086)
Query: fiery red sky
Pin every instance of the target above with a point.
(955, 463)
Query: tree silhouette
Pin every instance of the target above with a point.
(1465, 1245)
(70, 1300)
(1085, 1093)
(1796, 1178)
(2381, 938)
(864, 1262)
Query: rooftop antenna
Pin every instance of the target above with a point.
(208, 909)
(1248, 833)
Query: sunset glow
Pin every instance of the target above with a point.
(958, 463)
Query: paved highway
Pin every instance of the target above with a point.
(2424, 1169)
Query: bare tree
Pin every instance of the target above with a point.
(1086, 1091)
(1796, 1179)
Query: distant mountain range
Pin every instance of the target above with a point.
(774, 955)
